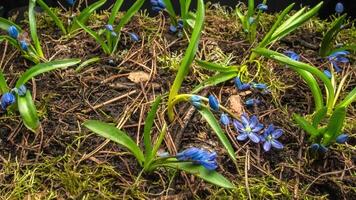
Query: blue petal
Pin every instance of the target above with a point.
(224, 119)
(277, 133)
(245, 119)
(253, 121)
(209, 165)
(342, 138)
(268, 131)
(173, 29)
(21, 91)
(213, 103)
(327, 73)
(238, 126)
(13, 32)
(315, 147)
(336, 67)
(276, 144)
(339, 7)
(342, 59)
(6, 100)
(292, 55)
(109, 27)
(258, 128)
(134, 37)
(262, 7)
(267, 146)
(242, 137)
(24, 45)
(260, 86)
(254, 137)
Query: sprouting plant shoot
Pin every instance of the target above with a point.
(109, 36)
(23, 97)
(196, 161)
(327, 121)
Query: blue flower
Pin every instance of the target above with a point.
(196, 101)
(224, 119)
(134, 37)
(292, 55)
(260, 86)
(262, 7)
(270, 136)
(199, 156)
(13, 32)
(338, 57)
(24, 45)
(213, 102)
(71, 2)
(157, 5)
(327, 73)
(180, 24)
(251, 102)
(318, 147)
(251, 20)
(21, 91)
(342, 138)
(7, 100)
(109, 27)
(241, 86)
(173, 29)
(339, 8)
(249, 128)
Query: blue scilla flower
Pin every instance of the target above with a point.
(21, 91)
(248, 128)
(23, 45)
(260, 86)
(225, 119)
(318, 147)
(157, 5)
(327, 73)
(240, 85)
(262, 7)
(251, 102)
(269, 138)
(213, 102)
(338, 57)
(251, 20)
(339, 8)
(341, 139)
(292, 55)
(195, 100)
(7, 99)
(199, 156)
(13, 32)
(173, 29)
(71, 2)
(109, 27)
(134, 37)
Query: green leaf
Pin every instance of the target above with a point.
(305, 125)
(188, 57)
(5, 24)
(28, 111)
(327, 42)
(3, 85)
(54, 17)
(216, 67)
(319, 116)
(97, 38)
(116, 135)
(214, 80)
(351, 97)
(214, 124)
(87, 63)
(11, 40)
(45, 67)
(33, 27)
(114, 12)
(148, 126)
(85, 14)
(171, 12)
(201, 172)
(334, 128)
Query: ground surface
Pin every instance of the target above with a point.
(65, 161)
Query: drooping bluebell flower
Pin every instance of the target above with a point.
(341, 139)
(199, 156)
(213, 102)
(13, 32)
(157, 5)
(241, 86)
(248, 128)
(339, 8)
(251, 102)
(7, 99)
(262, 7)
(292, 55)
(71, 2)
(134, 37)
(23, 45)
(318, 147)
(196, 101)
(270, 136)
(260, 86)
(327, 73)
(225, 119)
(21, 91)
(338, 57)
(109, 27)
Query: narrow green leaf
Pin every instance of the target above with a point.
(305, 125)
(54, 17)
(3, 85)
(28, 111)
(334, 127)
(201, 172)
(85, 14)
(319, 116)
(11, 40)
(5, 24)
(45, 67)
(87, 63)
(33, 27)
(215, 67)
(171, 12)
(148, 127)
(250, 8)
(116, 135)
(214, 80)
(351, 97)
(327, 42)
(114, 11)
(97, 38)
(214, 124)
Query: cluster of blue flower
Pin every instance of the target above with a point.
(14, 33)
(133, 36)
(246, 86)
(8, 98)
(199, 156)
